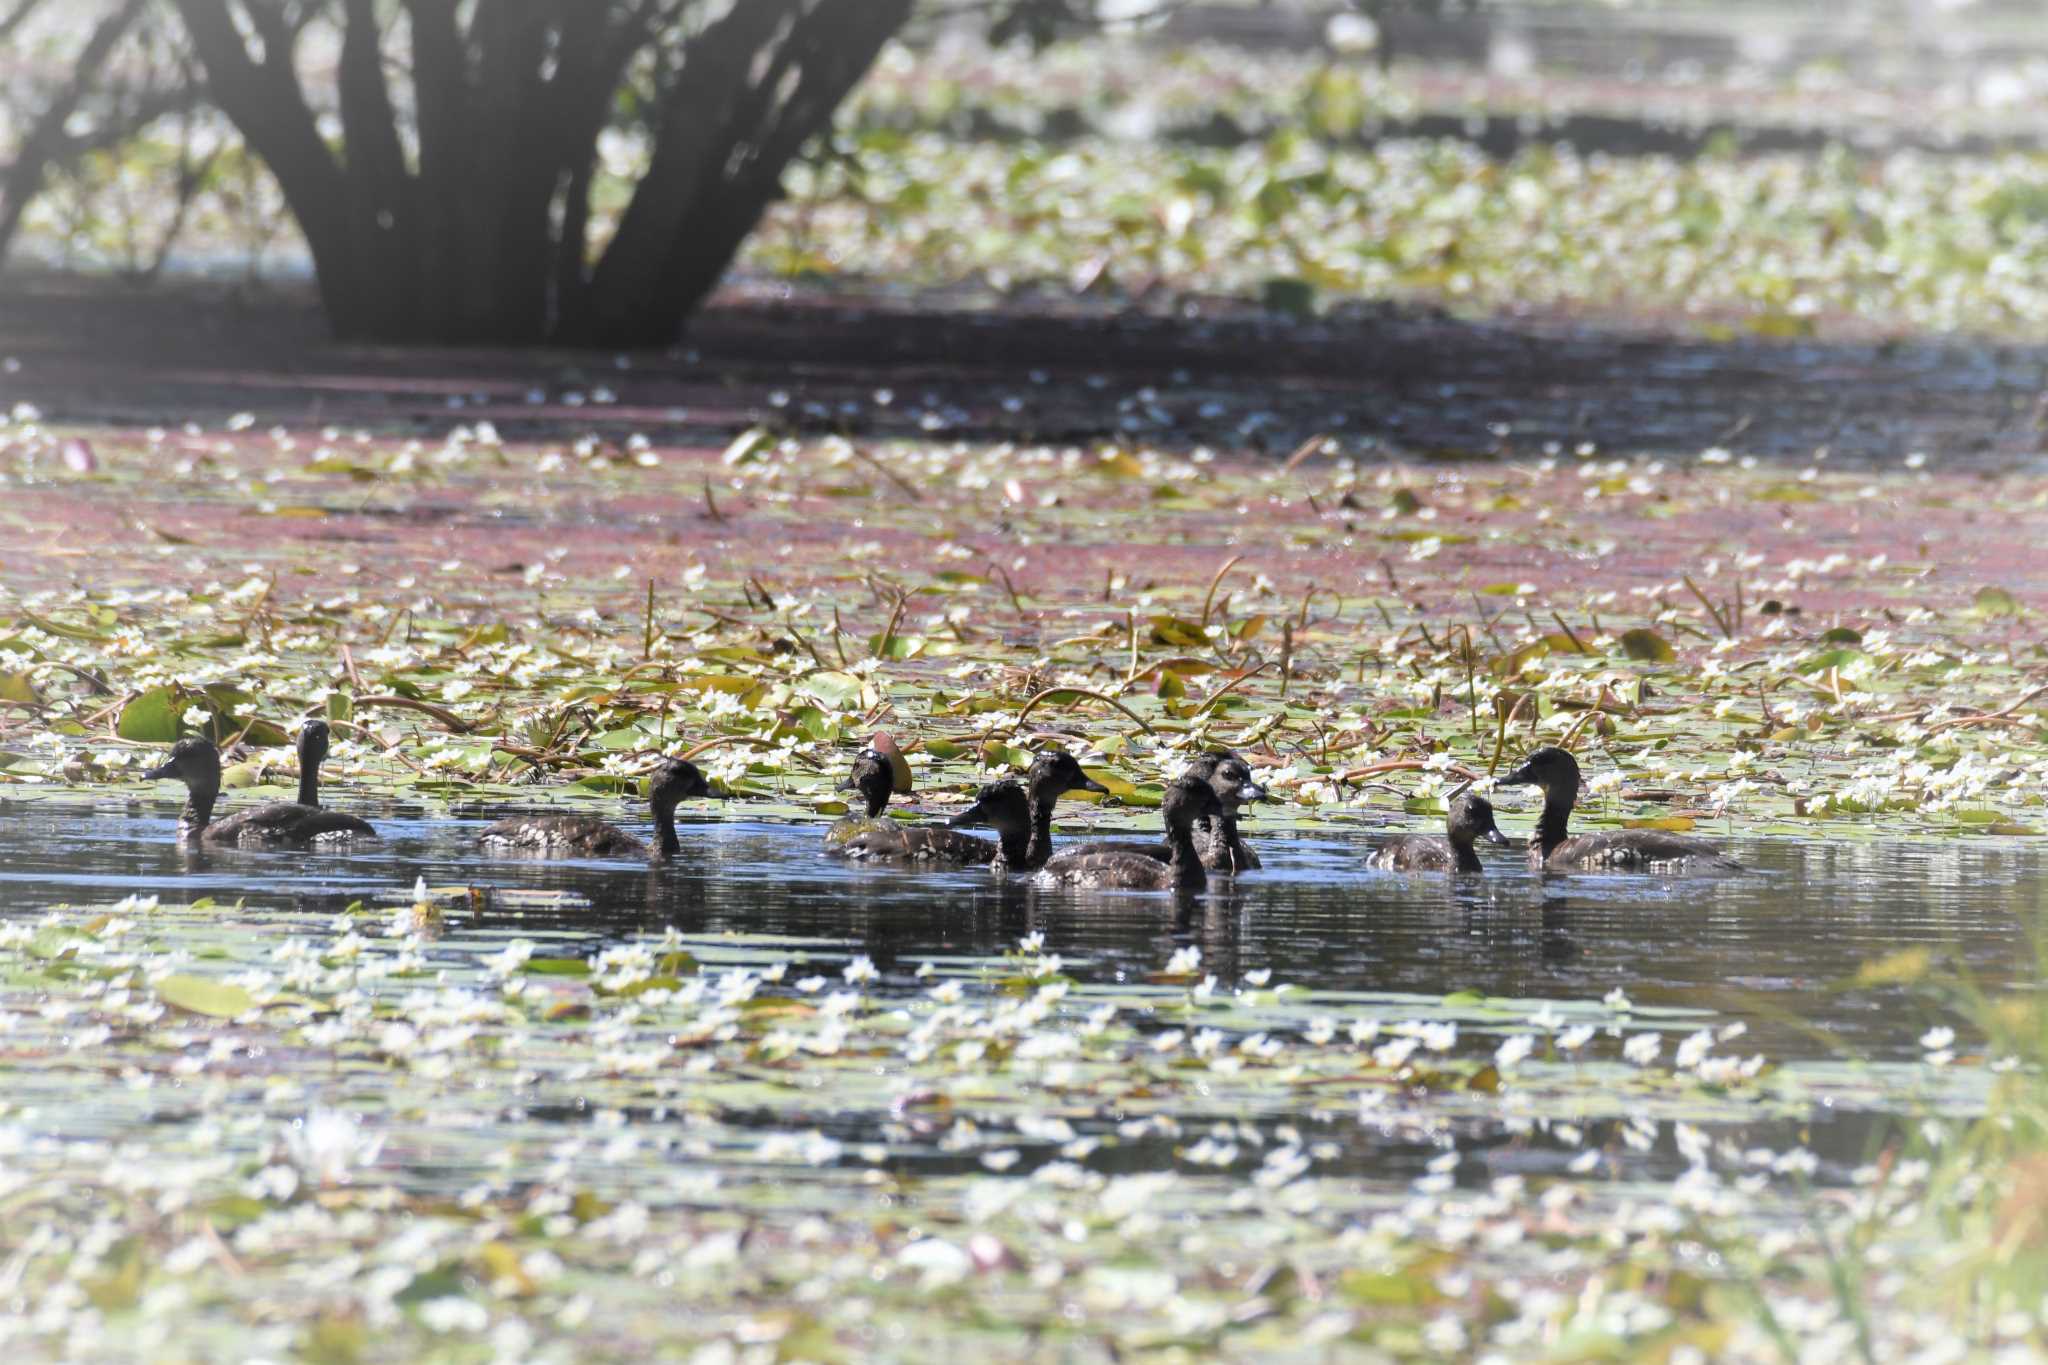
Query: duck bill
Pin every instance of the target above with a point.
(1494, 836)
(163, 771)
(1249, 792)
(1089, 784)
(973, 815)
(1520, 777)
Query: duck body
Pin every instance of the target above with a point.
(1553, 848)
(586, 836)
(874, 777)
(1216, 838)
(1469, 819)
(1187, 799)
(890, 842)
(274, 824)
(561, 836)
(286, 824)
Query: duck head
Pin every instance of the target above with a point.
(1230, 777)
(1471, 819)
(1056, 772)
(874, 778)
(1002, 806)
(193, 761)
(1551, 768)
(673, 782)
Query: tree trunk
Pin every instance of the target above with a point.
(484, 240)
(719, 159)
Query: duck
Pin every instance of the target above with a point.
(1553, 849)
(1052, 775)
(876, 777)
(1470, 819)
(275, 824)
(1006, 808)
(586, 836)
(1230, 777)
(1187, 799)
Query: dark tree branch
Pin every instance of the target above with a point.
(47, 139)
(16, 16)
(268, 105)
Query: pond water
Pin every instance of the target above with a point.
(1779, 942)
(1221, 1064)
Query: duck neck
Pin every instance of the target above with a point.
(198, 812)
(1183, 857)
(666, 845)
(1224, 844)
(1038, 839)
(1024, 848)
(1557, 814)
(1464, 857)
(309, 782)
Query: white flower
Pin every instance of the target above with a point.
(1184, 961)
(1617, 1000)
(326, 1145)
(197, 716)
(1514, 1051)
(1642, 1048)
(1693, 1050)
(860, 970)
(454, 1315)
(1572, 1039)
(1935, 1039)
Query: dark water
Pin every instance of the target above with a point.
(1784, 942)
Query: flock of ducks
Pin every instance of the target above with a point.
(1199, 807)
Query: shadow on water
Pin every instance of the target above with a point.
(1768, 948)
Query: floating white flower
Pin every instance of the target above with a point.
(1513, 1051)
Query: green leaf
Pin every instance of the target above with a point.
(1178, 633)
(1995, 602)
(832, 689)
(1295, 297)
(1675, 824)
(154, 717)
(203, 995)
(17, 687)
(555, 966)
(1648, 646)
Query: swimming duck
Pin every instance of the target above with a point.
(1052, 775)
(1469, 820)
(876, 777)
(1005, 808)
(1230, 777)
(275, 824)
(586, 836)
(1551, 849)
(1188, 798)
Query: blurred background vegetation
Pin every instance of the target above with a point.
(522, 171)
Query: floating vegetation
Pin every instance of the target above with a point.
(339, 1138)
(357, 1135)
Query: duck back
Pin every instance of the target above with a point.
(1632, 850)
(286, 824)
(1414, 853)
(561, 835)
